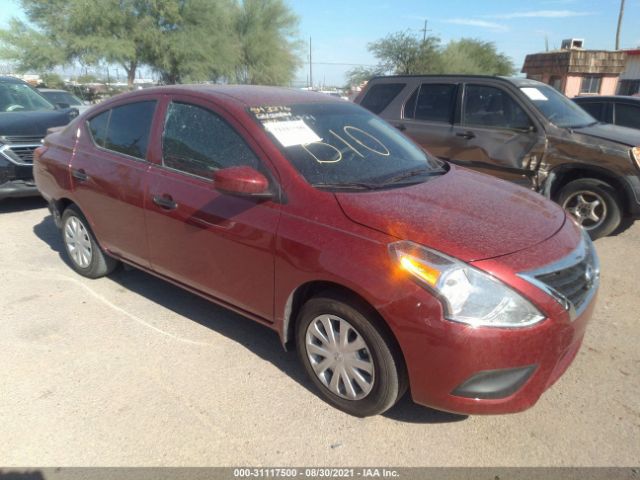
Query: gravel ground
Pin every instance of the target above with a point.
(132, 371)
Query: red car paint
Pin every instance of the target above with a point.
(257, 257)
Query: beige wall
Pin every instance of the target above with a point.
(609, 86)
(572, 84)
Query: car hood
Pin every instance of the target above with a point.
(34, 123)
(614, 133)
(463, 214)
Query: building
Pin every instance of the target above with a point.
(630, 79)
(574, 71)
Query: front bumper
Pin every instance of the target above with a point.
(18, 189)
(479, 370)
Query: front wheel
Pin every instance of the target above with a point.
(594, 204)
(351, 361)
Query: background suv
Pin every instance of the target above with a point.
(523, 131)
(25, 116)
(617, 109)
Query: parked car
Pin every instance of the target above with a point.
(25, 117)
(64, 99)
(386, 267)
(617, 109)
(523, 131)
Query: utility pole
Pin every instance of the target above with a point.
(310, 66)
(619, 24)
(546, 43)
(424, 31)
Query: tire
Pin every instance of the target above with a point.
(368, 381)
(84, 253)
(594, 204)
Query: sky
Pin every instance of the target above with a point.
(340, 30)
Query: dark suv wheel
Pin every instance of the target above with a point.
(594, 204)
(352, 362)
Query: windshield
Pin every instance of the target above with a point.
(62, 97)
(558, 109)
(18, 97)
(341, 145)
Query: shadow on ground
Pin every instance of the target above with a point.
(253, 336)
(11, 205)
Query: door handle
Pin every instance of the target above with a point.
(80, 175)
(401, 127)
(468, 135)
(165, 201)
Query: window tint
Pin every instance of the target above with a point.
(435, 102)
(492, 107)
(627, 115)
(596, 110)
(129, 126)
(197, 141)
(98, 127)
(590, 84)
(380, 96)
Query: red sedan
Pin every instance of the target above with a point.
(387, 268)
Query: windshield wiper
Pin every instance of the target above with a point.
(408, 174)
(346, 185)
(585, 125)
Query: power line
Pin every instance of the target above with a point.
(340, 63)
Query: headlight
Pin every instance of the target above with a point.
(469, 295)
(635, 154)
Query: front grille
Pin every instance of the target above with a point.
(573, 280)
(25, 154)
(21, 138)
(21, 154)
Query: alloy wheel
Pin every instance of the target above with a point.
(587, 207)
(76, 238)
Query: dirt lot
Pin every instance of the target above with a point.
(132, 371)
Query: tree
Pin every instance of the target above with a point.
(51, 80)
(196, 42)
(269, 52)
(180, 39)
(359, 75)
(403, 54)
(474, 57)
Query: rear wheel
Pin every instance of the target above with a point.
(594, 204)
(352, 362)
(85, 255)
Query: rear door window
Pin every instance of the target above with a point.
(627, 115)
(379, 96)
(199, 142)
(492, 107)
(432, 102)
(129, 127)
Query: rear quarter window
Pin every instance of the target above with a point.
(379, 96)
(98, 127)
(627, 115)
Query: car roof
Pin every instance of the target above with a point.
(624, 98)
(517, 81)
(5, 79)
(52, 90)
(248, 95)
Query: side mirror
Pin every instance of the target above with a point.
(62, 106)
(242, 182)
